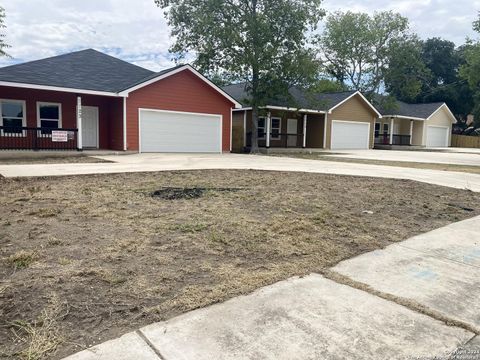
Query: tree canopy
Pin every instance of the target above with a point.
(261, 42)
(3, 44)
(355, 47)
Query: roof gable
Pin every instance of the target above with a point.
(298, 98)
(87, 69)
(419, 111)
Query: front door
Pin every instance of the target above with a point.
(90, 126)
(292, 131)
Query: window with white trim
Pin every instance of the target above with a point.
(261, 128)
(13, 117)
(276, 128)
(377, 129)
(49, 116)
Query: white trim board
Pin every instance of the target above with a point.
(57, 88)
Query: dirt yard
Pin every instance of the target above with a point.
(85, 259)
(407, 164)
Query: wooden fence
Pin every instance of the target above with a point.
(465, 141)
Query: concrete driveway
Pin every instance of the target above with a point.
(164, 162)
(457, 157)
(421, 302)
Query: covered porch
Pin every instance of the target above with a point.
(398, 131)
(38, 119)
(285, 129)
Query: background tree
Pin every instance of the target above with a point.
(356, 46)
(261, 42)
(470, 71)
(441, 58)
(3, 44)
(407, 73)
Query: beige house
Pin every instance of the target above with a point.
(428, 125)
(343, 120)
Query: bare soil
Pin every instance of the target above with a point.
(85, 259)
(51, 160)
(407, 164)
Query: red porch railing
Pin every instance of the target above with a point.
(37, 138)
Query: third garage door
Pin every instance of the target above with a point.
(437, 136)
(169, 131)
(350, 135)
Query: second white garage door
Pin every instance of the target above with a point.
(437, 136)
(350, 135)
(168, 131)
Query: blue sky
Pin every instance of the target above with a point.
(136, 30)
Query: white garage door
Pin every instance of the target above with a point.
(350, 135)
(168, 131)
(437, 136)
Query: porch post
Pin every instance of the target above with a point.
(411, 131)
(391, 131)
(79, 123)
(269, 117)
(124, 124)
(304, 131)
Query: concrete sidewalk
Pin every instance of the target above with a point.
(164, 162)
(454, 157)
(439, 270)
(317, 318)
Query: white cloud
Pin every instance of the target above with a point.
(136, 30)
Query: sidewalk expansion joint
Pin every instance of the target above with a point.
(149, 343)
(405, 302)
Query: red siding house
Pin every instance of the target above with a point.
(90, 100)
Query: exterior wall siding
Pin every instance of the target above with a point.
(315, 130)
(108, 112)
(237, 131)
(183, 92)
(417, 132)
(355, 109)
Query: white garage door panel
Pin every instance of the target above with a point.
(179, 132)
(437, 136)
(350, 135)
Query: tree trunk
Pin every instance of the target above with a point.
(255, 80)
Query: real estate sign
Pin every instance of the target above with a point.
(59, 136)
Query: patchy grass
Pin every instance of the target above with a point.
(119, 258)
(42, 336)
(22, 259)
(51, 160)
(407, 164)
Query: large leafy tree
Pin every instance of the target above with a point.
(261, 42)
(407, 72)
(3, 44)
(470, 70)
(356, 46)
(442, 59)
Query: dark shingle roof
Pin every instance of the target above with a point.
(299, 98)
(87, 70)
(422, 111)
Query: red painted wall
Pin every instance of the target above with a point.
(183, 91)
(110, 111)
